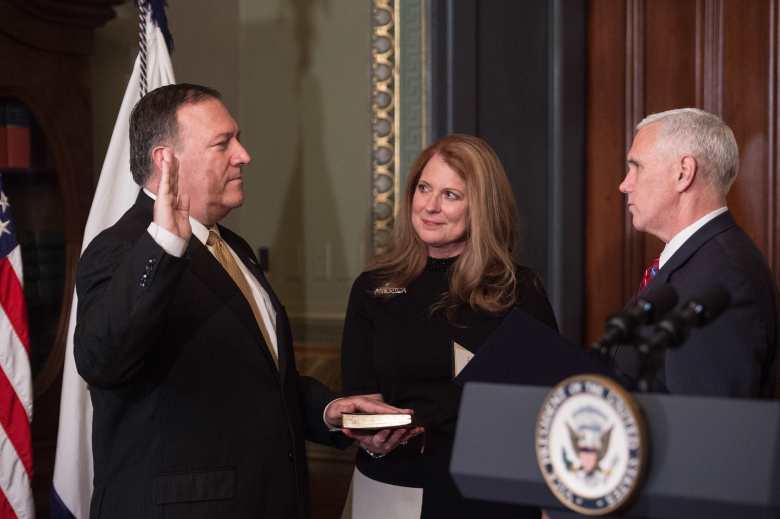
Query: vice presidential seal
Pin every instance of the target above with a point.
(591, 444)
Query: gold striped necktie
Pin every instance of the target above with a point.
(221, 252)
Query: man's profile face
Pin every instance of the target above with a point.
(649, 184)
(210, 159)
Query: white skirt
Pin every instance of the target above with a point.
(370, 499)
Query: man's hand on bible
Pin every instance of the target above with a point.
(377, 443)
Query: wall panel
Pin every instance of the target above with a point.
(669, 70)
(604, 162)
(746, 108)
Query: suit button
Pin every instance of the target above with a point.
(291, 455)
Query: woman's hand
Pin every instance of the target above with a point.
(380, 443)
(377, 442)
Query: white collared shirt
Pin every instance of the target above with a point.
(176, 246)
(681, 237)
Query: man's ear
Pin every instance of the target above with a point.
(687, 170)
(157, 156)
(154, 178)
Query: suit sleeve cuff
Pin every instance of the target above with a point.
(170, 243)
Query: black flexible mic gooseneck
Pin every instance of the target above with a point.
(619, 328)
(673, 329)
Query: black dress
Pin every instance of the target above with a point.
(399, 347)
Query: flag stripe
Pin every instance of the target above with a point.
(6, 512)
(14, 358)
(15, 363)
(12, 299)
(14, 423)
(14, 480)
(15, 257)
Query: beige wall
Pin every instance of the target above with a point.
(295, 73)
(206, 45)
(305, 111)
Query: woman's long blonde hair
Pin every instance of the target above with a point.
(483, 277)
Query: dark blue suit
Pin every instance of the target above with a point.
(734, 355)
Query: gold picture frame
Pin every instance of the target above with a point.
(399, 123)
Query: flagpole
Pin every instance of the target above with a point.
(143, 13)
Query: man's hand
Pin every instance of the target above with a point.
(172, 207)
(377, 442)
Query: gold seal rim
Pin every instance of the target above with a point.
(639, 418)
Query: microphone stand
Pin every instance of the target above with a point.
(648, 366)
(646, 370)
(670, 332)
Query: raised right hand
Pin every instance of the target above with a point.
(172, 207)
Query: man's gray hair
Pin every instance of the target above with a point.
(703, 135)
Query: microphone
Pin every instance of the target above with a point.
(654, 303)
(672, 331)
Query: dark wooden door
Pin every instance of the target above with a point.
(646, 56)
(650, 56)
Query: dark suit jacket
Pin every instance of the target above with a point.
(734, 355)
(191, 418)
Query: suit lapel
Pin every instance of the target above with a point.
(208, 270)
(717, 225)
(282, 340)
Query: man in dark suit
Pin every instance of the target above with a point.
(680, 168)
(199, 411)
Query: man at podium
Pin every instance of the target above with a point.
(681, 166)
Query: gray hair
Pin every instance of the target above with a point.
(703, 135)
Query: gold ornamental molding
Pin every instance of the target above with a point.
(384, 120)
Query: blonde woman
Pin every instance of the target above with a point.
(419, 313)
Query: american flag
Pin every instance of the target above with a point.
(16, 397)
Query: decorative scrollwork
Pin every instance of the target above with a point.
(384, 120)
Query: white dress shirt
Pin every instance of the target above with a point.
(681, 237)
